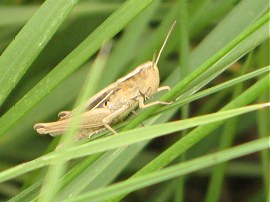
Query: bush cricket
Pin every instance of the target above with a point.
(115, 102)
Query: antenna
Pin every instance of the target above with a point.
(165, 41)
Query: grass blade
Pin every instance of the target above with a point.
(199, 133)
(180, 87)
(50, 188)
(216, 88)
(174, 171)
(74, 60)
(124, 139)
(230, 129)
(26, 48)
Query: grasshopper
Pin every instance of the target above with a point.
(114, 103)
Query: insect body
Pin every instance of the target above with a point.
(89, 125)
(114, 103)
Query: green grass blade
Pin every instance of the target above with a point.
(50, 188)
(226, 34)
(27, 194)
(216, 88)
(135, 44)
(16, 15)
(21, 53)
(228, 29)
(123, 52)
(131, 36)
(127, 153)
(123, 139)
(92, 174)
(100, 173)
(230, 129)
(74, 60)
(200, 132)
(31, 192)
(10, 15)
(264, 131)
(184, 68)
(175, 171)
(155, 41)
(267, 70)
(202, 18)
(124, 49)
(80, 183)
(263, 118)
(141, 134)
(180, 87)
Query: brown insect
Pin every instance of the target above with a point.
(114, 103)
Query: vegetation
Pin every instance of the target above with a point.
(216, 62)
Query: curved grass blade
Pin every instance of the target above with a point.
(226, 141)
(174, 171)
(23, 50)
(50, 188)
(180, 87)
(124, 139)
(74, 60)
(215, 89)
(200, 132)
(249, 17)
